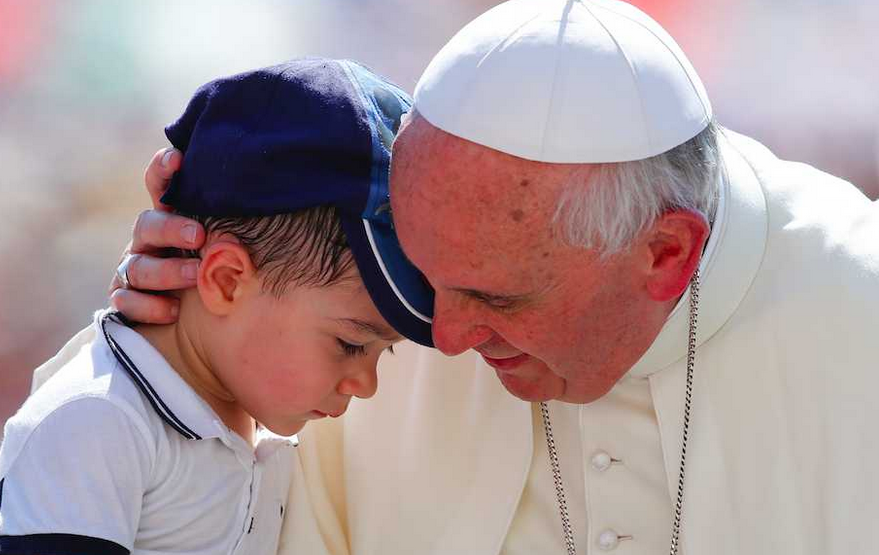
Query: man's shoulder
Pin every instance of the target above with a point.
(814, 218)
(796, 185)
(820, 262)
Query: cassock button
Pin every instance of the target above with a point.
(608, 540)
(601, 461)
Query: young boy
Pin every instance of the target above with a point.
(152, 440)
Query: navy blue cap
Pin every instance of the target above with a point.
(297, 135)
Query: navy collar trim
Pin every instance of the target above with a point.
(140, 380)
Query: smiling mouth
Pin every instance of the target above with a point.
(505, 364)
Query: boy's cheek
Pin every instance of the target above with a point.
(293, 390)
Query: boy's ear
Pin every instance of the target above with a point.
(673, 248)
(225, 274)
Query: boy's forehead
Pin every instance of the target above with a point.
(350, 283)
(356, 310)
(379, 329)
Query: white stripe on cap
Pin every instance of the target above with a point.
(388, 278)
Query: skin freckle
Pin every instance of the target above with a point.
(517, 215)
(524, 183)
(476, 264)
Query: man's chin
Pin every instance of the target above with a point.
(535, 382)
(533, 389)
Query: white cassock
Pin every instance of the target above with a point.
(783, 448)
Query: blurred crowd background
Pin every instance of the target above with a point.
(86, 87)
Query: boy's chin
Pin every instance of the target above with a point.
(287, 428)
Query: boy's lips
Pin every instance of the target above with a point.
(509, 363)
(321, 414)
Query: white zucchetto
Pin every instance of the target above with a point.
(565, 81)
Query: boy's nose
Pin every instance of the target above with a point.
(363, 384)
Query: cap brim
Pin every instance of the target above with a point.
(396, 286)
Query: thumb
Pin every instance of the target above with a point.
(158, 174)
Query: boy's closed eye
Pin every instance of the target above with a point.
(367, 332)
(353, 349)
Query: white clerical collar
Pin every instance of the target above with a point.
(713, 238)
(729, 264)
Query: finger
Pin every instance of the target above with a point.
(150, 273)
(146, 308)
(154, 230)
(158, 174)
(115, 284)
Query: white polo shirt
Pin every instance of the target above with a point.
(117, 454)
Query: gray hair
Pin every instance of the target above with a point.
(625, 198)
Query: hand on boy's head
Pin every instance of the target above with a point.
(155, 230)
(158, 173)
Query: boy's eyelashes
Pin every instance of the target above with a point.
(351, 349)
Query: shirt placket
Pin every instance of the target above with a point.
(623, 473)
(251, 526)
(263, 523)
(247, 459)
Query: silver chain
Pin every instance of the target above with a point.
(691, 361)
(679, 503)
(557, 478)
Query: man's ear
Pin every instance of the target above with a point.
(225, 274)
(673, 246)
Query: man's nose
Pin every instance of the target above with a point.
(455, 330)
(362, 384)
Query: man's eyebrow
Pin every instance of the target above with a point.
(487, 297)
(372, 328)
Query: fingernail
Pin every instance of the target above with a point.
(190, 271)
(167, 156)
(189, 232)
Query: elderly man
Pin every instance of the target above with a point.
(693, 319)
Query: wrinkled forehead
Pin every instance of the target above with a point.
(467, 184)
(450, 195)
